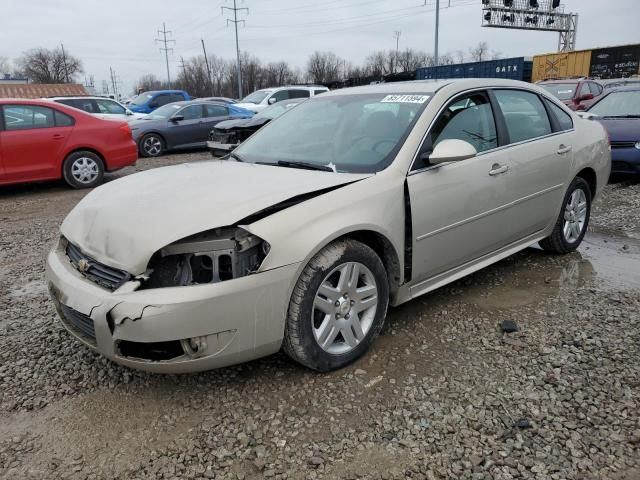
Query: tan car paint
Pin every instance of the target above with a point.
(444, 228)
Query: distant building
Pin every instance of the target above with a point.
(7, 79)
(40, 90)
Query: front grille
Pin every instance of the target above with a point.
(623, 144)
(79, 323)
(105, 276)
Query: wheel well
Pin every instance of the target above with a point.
(590, 177)
(384, 249)
(76, 150)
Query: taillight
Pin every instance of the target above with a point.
(124, 128)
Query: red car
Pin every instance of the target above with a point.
(43, 140)
(575, 94)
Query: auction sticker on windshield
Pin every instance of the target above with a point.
(405, 99)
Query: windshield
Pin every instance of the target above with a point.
(563, 91)
(276, 110)
(164, 112)
(142, 99)
(358, 133)
(256, 97)
(618, 104)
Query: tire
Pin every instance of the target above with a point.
(151, 145)
(83, 169)
(352, 314)
(569, 229)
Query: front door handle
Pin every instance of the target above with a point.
(58, 136)
(497, 169)
(562, 149)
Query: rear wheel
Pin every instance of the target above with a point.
(573, 220)
(83, 170)
(151, 145)
(338, 306)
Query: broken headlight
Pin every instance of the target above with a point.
(209, 257)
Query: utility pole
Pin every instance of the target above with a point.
(165, 49)
(435, 52)
(114, 83)
(64, 60)
(206, 61)
(235, 22)
(396, 34)
(184, 68)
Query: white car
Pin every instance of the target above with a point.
(100, 107)
(261, 99)
(350, 202)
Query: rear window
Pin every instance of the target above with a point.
(563, 91)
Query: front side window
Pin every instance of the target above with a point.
(470, 119)
(163, 112)
(299, 94)
(564, 119)
(524, 114)
(595, 88)
(192, 112)
(142, 99)
(27, 117)
(279, 96)
(110, 108)
(256, 97)
(348, 133)
(163, 99)
(216, 111)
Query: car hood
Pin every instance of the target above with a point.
(242, 123)
(622, 129)
(124, 222)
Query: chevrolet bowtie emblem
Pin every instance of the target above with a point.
(83, 265)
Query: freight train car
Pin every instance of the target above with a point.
(518, 68)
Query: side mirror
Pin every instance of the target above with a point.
(452, 151)
(128, 112)
(272, 100)
(177, 118)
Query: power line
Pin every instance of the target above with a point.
(166, 50)
(235, 22)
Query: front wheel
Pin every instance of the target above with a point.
(83, 170)
(338, 306)
(573, 221)
(151, 145)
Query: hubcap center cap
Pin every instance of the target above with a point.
(344, 306)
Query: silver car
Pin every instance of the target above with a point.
(353, 201)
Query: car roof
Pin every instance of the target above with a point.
(428, 86)
(625, 88)
(81, 97)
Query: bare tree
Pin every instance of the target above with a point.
(324, 67)
(149, 82)
(410, 59)
(5, 65)
(49, 66)
(480, 52)
(459, 56)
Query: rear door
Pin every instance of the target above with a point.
(459, 210)
(188, 131)
(213, 114)
(540, 153)
(32, 142)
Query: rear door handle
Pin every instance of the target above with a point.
(562, 149)
(57, 136)
(497, 169)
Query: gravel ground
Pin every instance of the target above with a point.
(443, 393)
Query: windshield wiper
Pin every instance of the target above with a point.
(297, 164)
(235, 156)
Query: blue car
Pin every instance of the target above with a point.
(181, 125)
(147, 102)
(619, 113)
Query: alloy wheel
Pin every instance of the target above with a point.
(575, 216)
(152, 146)
(344, 308)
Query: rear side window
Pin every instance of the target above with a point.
(564, 119)
(62, 119)
(217, 111)
(27, 117)
(318, 92)
(524, 114)
(87, 104)
(299, 94)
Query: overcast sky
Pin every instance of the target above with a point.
(121, 33)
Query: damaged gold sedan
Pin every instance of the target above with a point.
(302, 237)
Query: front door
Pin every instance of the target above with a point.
(213, 114)
(459, 210)
(31, 142)
(185, 131)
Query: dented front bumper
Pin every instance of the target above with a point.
(200, 327)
